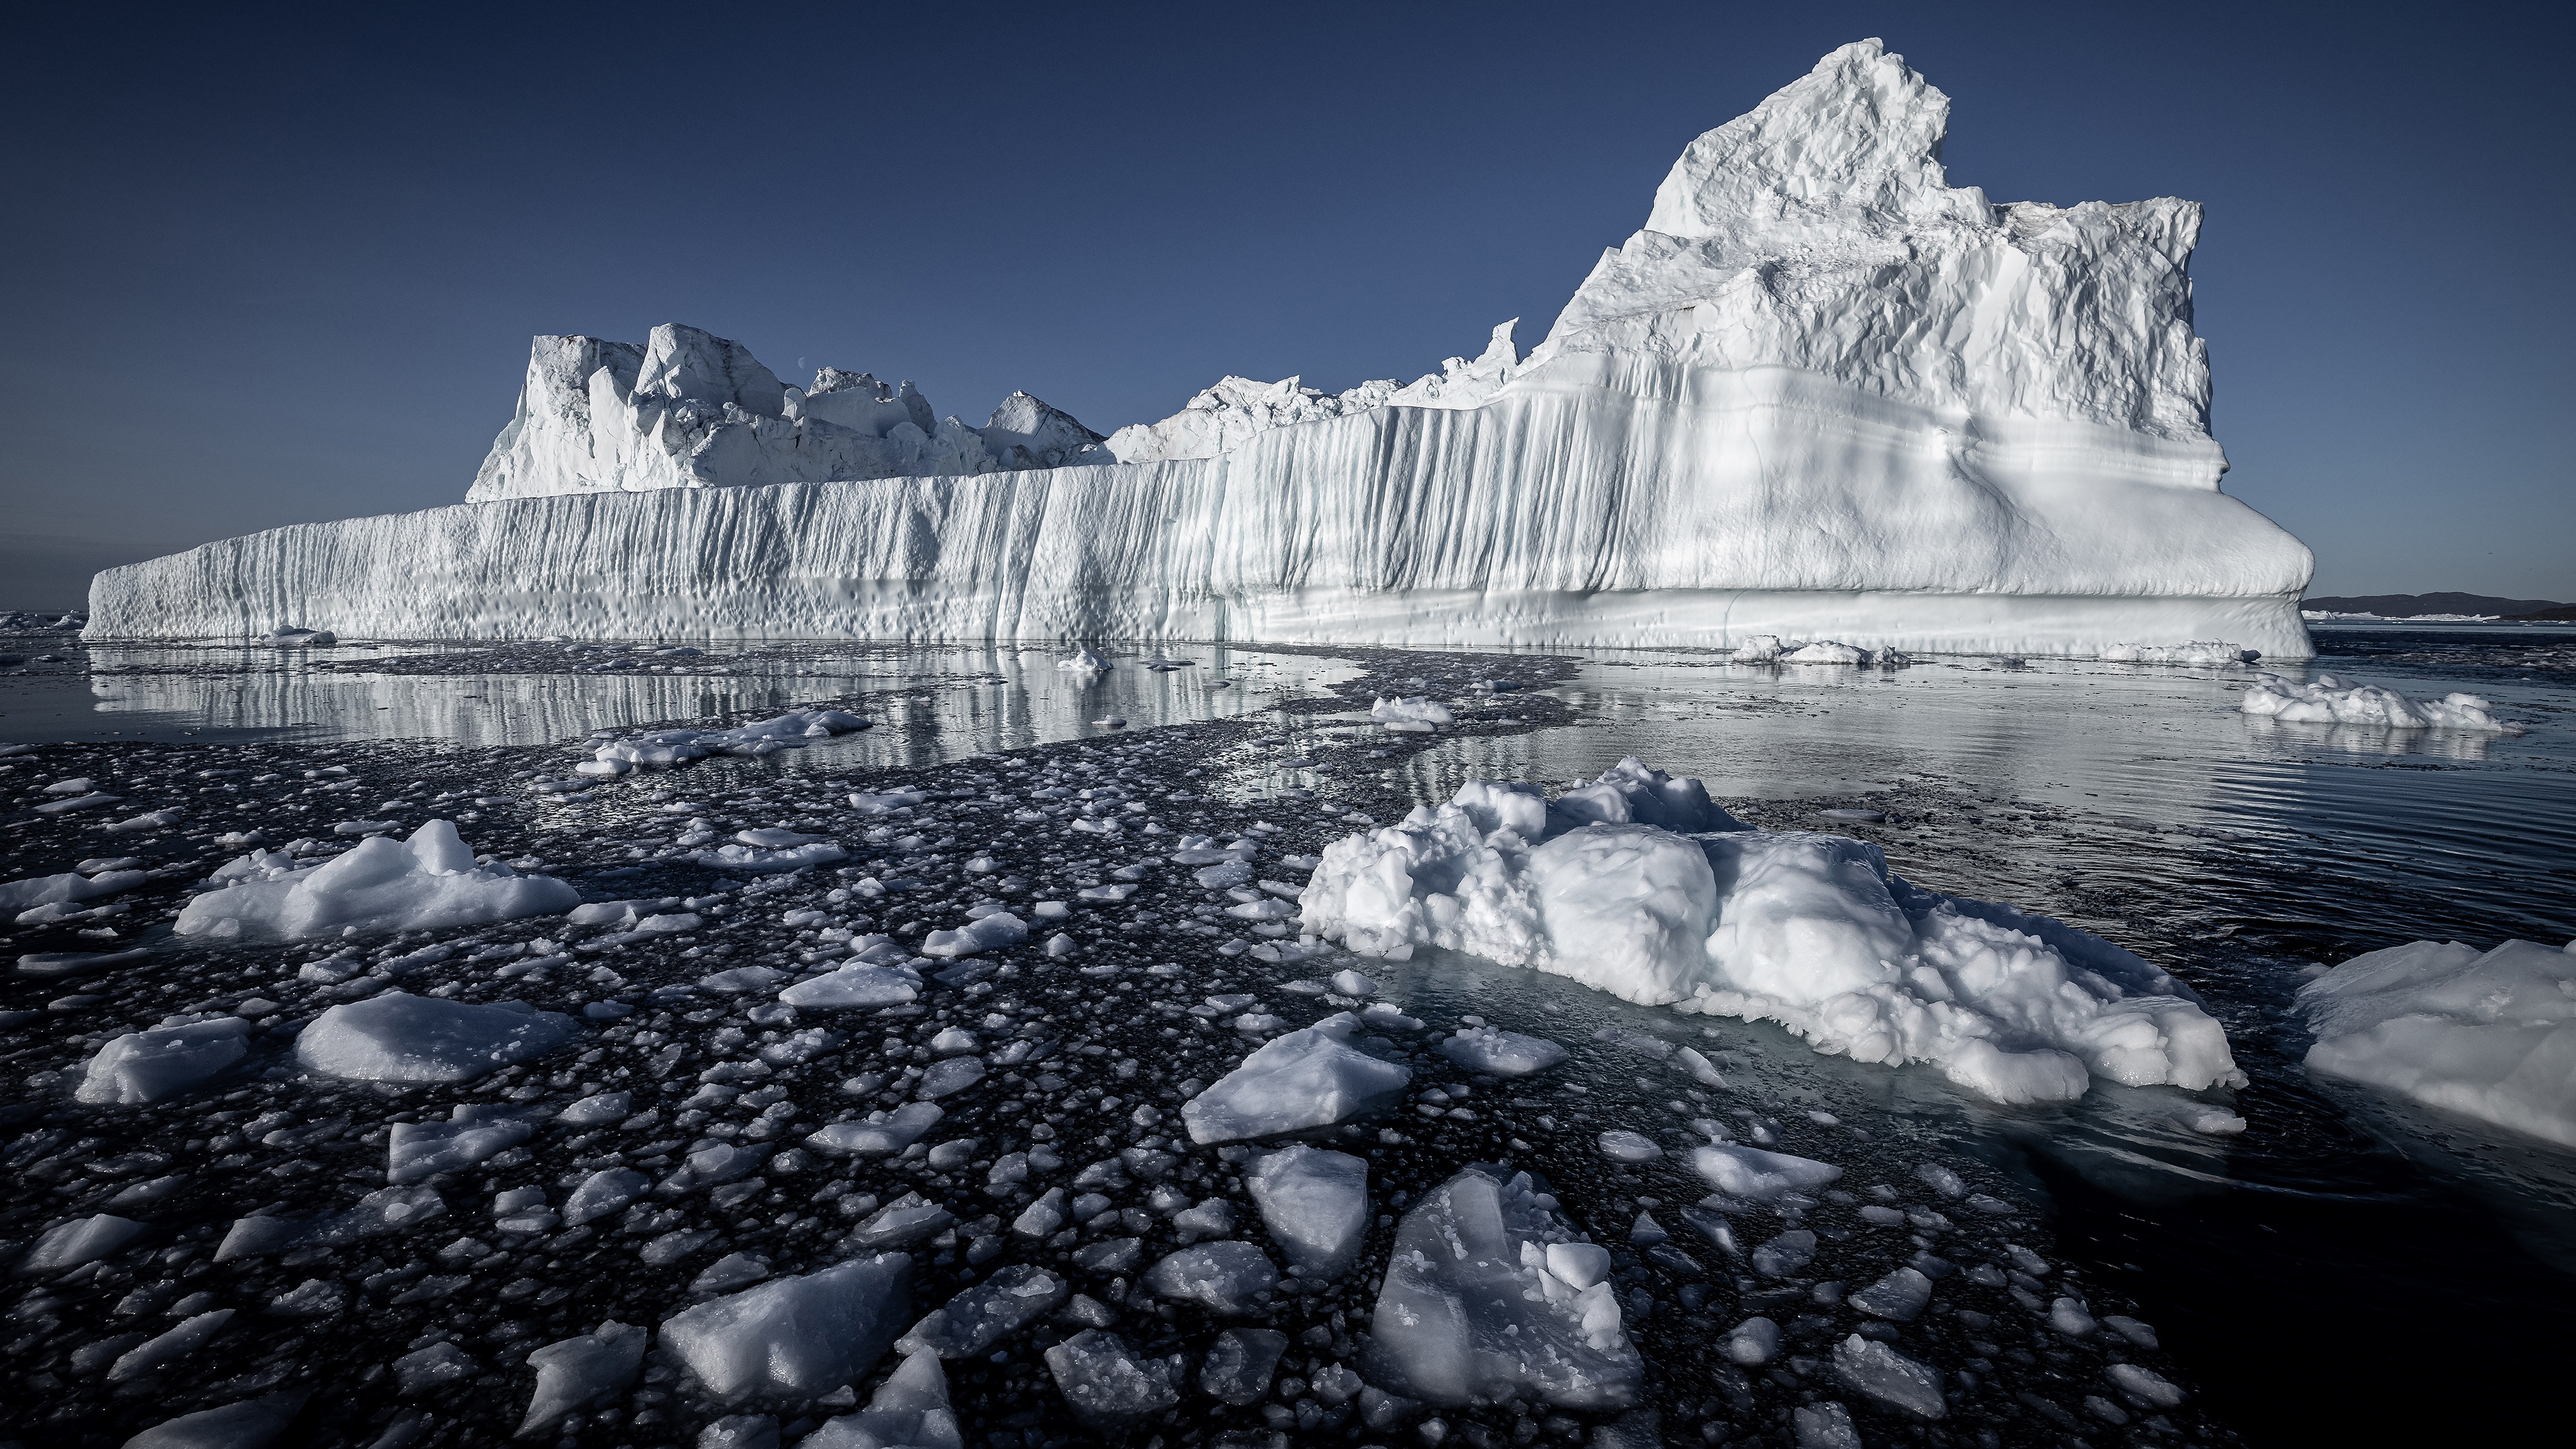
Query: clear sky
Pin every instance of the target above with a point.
(273, 266)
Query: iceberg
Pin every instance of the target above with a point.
(1823, 394)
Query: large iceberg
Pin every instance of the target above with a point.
(1823, 394)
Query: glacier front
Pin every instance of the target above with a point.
(1823, 393)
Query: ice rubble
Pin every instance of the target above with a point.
(2331, 701)
(1879, 408)
(1812, 931)
(2489, 1035)
(1476, 1307)
(688, 409)
(377, 886)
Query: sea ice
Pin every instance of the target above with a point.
(399, 1037)
(2489, 1035)
(855, 986)
(1315, 1204)
(250, 1424)
(794, 1338)
(1240, 1364)
(48, 890)
(67, 1245)
(1758, 1176)
(1812, 931)
(1471, 1313)
(473, 1133)
(1308, 1078)
(2331, 701)
(1866, 1366)
(146, 1066)
(378, 886)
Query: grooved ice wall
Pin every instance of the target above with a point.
(1824, 393)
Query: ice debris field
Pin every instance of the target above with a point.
(1824, 403)
(1046, 1095)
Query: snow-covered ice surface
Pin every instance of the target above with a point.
(1884, 412)
(610, 1169)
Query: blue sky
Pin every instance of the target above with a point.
(283, 267)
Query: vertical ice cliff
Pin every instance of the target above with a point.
(1822, 393)
(690, 409)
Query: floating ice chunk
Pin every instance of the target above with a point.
(2071, 1318)
(1784, 1256)
(1758, 1176)
(2489, 1035)
(672, 747)
(48, 890)
(147, 1066)
(68, 1245)
(399, 1037)
(1240, 1364)
(1083, 660)
(1229, 1277)
(740, 979)
(173, 1346)
(1352, 983)
(1866, 1366)
(1825, 651)
(794, 1338)
(250, 1424)
(1755, 1341)
(1628, 793)
(754, 860)
(603, 1192)
(950, 1077)
(910, 1410)
(289, 636)
(972, 1323)
(1900, 1297)
(1470, 1313)
(855, 986)
(1308, 1078)
(426, 883)
(415, 1150)
(991, 933)
(386, 1210)
(1808, 930)
(1417, 712)
(1503, 1053)
(883, 1133)
(2331, 701)
(2145, 1384)
(597, 1110)
(1315, 1204)
(573, 1371)
(1622, 1146)
(1580, 1265)
(886, 802)
(1107, 1385)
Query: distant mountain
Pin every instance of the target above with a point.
(2407, 606)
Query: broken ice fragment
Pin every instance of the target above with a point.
(1315, 1204)
(794, 1338)
(1230, 1277)
(1867, 1366)
(1240, 1363)
(573, 1371)
(1503, 1053)
(910, 1409)
(972, 1323)
(1758, 1176)
(1309, 1078)
(1106, 1384)
(147, 1066)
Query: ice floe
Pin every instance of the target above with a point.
(146, 1066)
(1305, 1079)
(399, 1037)
(794, 1338)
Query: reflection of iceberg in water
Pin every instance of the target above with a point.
(932, 704)
(2289, 735)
